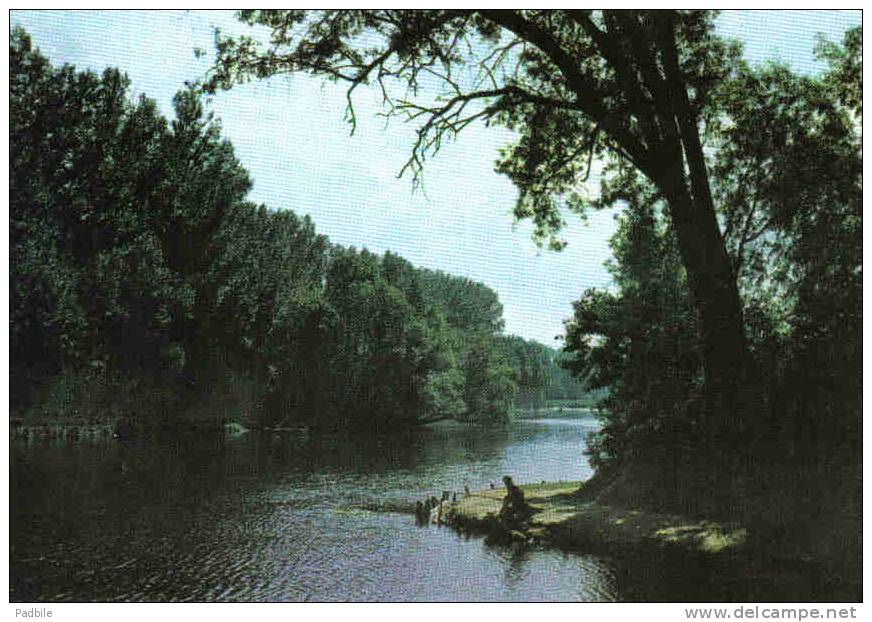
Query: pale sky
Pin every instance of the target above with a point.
(290, 134)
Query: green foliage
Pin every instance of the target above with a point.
(640, 342)
(84, 162)
(786, 178)
(135, 255)
(539, 373)
(788, 174)
(379, 349)
(488, 386)
(845, 77)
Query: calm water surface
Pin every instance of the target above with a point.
(265, 519)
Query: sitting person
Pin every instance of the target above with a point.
(422, 514)
(515, 508)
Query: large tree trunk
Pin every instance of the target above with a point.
(710, 277)
(716, 297)
(704, 254)
(712, 285)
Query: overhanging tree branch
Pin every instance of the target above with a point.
(589, 98)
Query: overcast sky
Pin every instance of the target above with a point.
(290, 134)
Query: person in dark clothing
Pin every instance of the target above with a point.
(422, 516)
(515, 508)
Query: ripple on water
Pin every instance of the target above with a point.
(251, 521)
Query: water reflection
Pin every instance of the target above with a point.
(262, 518)
(268, 519)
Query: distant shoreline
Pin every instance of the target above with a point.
(22, 428)
(573, 412)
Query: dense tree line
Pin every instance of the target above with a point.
(540, 373)
(138, 265)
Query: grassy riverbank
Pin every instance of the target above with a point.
(744, 561)
(563, 520)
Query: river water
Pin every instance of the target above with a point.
(258, 518)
